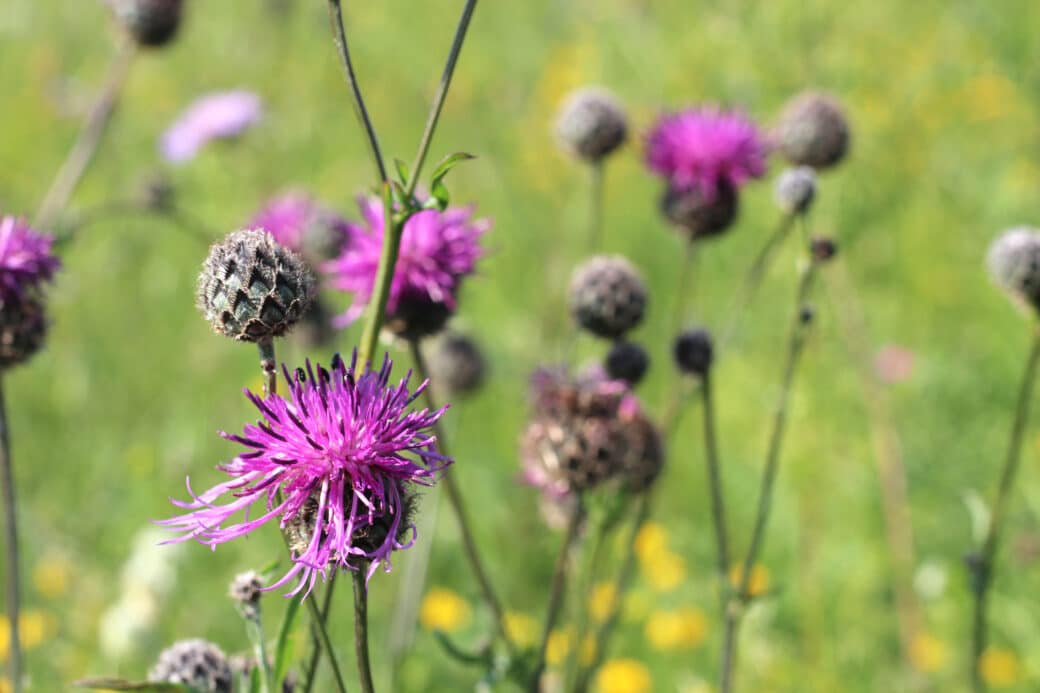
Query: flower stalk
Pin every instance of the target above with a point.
(361, 629)
(12, 572)
(718, 507)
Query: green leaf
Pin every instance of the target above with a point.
(112, 683)
(402, 171)
(283, 645)
(439, 194)
(255, 684)
(448, 163)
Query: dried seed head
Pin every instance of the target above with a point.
(607, 296)
(698, 215)
(575, 454)
(253, 289)
(246, 588)
(457, 365)
(196, 663)
(1014, 263)
(592, 124)
(644, 453)
(150, 22)
(822, 248)
(694, 352)
(795, 189)
(813, 130)
(627, 361)
(23, 328)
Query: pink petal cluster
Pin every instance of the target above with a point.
(288, 217)
(214, 116)
(26, 257)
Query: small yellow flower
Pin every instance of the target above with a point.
(665, 571)
(5, 686)
(651, 541)
(52, 575)
(588, 650)
(558, 646)
(35, 626)
(759, 583)
(623, 676)
(673, 630)
(602, 599)
(999, 667)
(522, 629)
(443, 609)
(927, 653)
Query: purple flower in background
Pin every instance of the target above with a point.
(335, 463)
(213, 116)
(438, 249)
(303, 225)
(26, 260)
(702, 148)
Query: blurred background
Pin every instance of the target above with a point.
(126, 400)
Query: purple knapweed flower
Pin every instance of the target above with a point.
(437, 250)
(26, 259)
(340, 455)
(214, 116)
(703, 148)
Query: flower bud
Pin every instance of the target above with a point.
(795, 189)
(699, 215)
(1014, 263)
(694, 352)
(813, 130)
(151, 22)
(627, 361)
(592, 124)
(457, 365)
(607, 296)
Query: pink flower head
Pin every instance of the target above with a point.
(340, 454)
(706, 147)
(301, 224)
(219, 115)
(437, 250)
(894, 364)
(26, 259)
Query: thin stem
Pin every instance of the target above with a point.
(718, 508)
(339, 36)
(312, 665)
(795, 347)
(384, 278)
(982, 565)
(599, 544)
(255, 626)
(621, 581)
(82, 153)
(682, 286)
(441, 95)
(361, 629)
(326, 643)
(596, 171)
(13, 569)
(557, 591)
(458, 506)
(268, 366)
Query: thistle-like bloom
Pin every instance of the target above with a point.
(26, 260)
(340, 455)
(219, 115)
(703, 148)
(301, 224)
(438, 249)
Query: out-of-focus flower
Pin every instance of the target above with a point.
(623, 676)
(706, 148)
(1013, 261)
(26, 259)
(457, 364)
(52, 575)
(795, 189)
(220, 115)
(558, 646)
(298, 222)
(592, 123)
(651, 540)
(627, 361)
(664, 571)
(602, 600)
(813, 130)
(336, 463)
(152, 23)
(522, 628)
(694, 352)
(607, 296)
(34, 628)
(928, 653)
(438, 250)
(894, 364)
(1000, 667)
(197, 663)
(443, 609)
(676, 629)
(757, 585)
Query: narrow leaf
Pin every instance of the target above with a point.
(402, 171)
(286, 637)
(447, 163)
(112, 683)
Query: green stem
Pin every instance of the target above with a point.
(82, 153)
(557, 591)
(682, 286)
(718, 507)
(312, 665)
(384, 278)
(268, 366)
(12, 571)
(982, 564)
(599, 544)
(458, 506)
(596, 170)
(326, 642)
(795, 347)
(255, 631)
(361, 629)
(339, 35)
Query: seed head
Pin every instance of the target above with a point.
(694, 352)
(795, 189)
(607, 296)
(151, 23)
(592, 124)
(253, 289)
(813, 130)
(1014, 263)
(700, 216)
(627, 361)
(457, 365)
(246, 588)
(196, 663)
(644, 452)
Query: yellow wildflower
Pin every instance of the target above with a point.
(51, 576)
(927, 653)
(665, 571)
(759, 583)
(35, 626)
(623, 676)
(602, 599)
(588, 650)
(999, 667)
(5, 686)
(443, 609)
(651, 541)
(673, 630)
(558, 646)
(521, 628)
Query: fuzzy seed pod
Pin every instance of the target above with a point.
(699, 216)
(151, 22)
(795, 189)
(457, 365)
(694, 352)
(252, 289)
(1014, 263)
(196, 663)
(813, 130)
(607, 296)
(246, 588)
(23, 328)
(644, 454)
(592, 124)
(627, 361)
